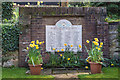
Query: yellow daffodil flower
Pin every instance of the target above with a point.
(86, 67)
(26, 5)
(53, 48)
(112, 64)
(80, 46)
(87, 60)
(87, 41)
(27, 48)
(101, 43)
(65, 44)
(32, 41)
(14, 4)
(98, 48)
(61, 55)
(62, 49)
(37, 47)
(41, 1)
(43, 42)
(57, 50)
(40, 43)
(96, 39)
(96, 43)
(71, 45)
(37, 41)
(38, 3)
(31, 45)
(41, 68)
(68, 59)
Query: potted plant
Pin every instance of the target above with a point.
(95, 55)
(34, 57)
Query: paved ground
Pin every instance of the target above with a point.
(64, 74)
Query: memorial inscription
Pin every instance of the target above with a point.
(63, 32)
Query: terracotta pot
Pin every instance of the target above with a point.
(95, 67)
(35, 70)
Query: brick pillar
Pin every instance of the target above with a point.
(24, 40)
(103, 35)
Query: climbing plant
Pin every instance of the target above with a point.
(10, 37)
(7, 10)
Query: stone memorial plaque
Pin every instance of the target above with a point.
(63, 32)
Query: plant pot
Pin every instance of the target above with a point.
(95, 67)
(35, 70)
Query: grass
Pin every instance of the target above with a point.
(109, 72)
(20, 73)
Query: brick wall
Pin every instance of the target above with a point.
(34, 19)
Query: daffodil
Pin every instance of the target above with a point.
(98, 48)
(37, 47)
(96, 39)
(27, 48)
(53, 48)
(38, 3)
(37, 41)
(86, 67)
(43, 42)
(71, 45)
(32, 41)
(87, 60)
(80, 46)
(87, 41)
(96, 43)
(41, 1)
(41, 68)
(31, 45)
(18, 4)
(14, 13)
(57, 50)
(62, 49)
(26, 5)
(112, 64)
(61, 55)
(14, 4)
(65, 44)
(101, 43)
(68, 59)
(40, 43)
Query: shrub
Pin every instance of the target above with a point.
(10, 37)
(7, 10)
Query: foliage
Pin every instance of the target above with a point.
(112, 61)
(34, 54)
(108, 73)
(21, 73)
(7, 8)
(95, 52)
(10, 37)
(66, 59)
(118, 34)
(112, 8)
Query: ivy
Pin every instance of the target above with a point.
(119, 34)
(7, 10)
(10, 37)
